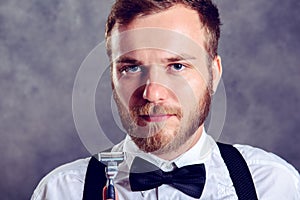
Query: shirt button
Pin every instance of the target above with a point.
(167, 167)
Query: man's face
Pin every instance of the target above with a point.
(161, 78)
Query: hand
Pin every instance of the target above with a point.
(104, 191)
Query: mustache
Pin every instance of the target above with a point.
(154, 109)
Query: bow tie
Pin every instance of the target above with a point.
(188, 179)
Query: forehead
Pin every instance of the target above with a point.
(178, 18)
(176, 29)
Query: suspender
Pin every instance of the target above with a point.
(239, 172)
(95, 180)
(240, 175)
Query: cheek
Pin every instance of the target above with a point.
(121, 90)
(199, 80)
(191, 92)
(129, 92)
(199, 86)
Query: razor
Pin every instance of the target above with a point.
(112, 160)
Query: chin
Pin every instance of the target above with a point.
(157, 143)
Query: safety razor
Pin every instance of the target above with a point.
(112, 160)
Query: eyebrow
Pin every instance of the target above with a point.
(177, 58)
(128, 60)
(180, 58)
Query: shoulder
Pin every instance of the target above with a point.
(272, 176)
(64, 182)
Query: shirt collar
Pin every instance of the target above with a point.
(196, 155)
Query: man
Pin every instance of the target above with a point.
(164, 70)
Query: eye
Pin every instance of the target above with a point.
(177, 67)
(130, 69)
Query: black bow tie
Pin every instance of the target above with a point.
(145, 176)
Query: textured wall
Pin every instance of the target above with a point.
(43, 42)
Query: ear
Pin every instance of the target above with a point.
(216, 72)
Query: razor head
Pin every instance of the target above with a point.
(107, 157)
(111, 160)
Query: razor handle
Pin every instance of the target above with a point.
(110, 193)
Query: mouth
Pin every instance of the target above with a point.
(156, 118)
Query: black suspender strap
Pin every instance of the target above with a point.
(239, 172)
(95, 180)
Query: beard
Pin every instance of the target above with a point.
(157, 137)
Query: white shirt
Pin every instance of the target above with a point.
(273, 177)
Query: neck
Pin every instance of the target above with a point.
(184, 147)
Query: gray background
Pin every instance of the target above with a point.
(43, 42)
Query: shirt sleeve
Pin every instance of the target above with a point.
(273, 177)
(65, 182)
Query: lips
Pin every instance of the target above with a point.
(156, 118)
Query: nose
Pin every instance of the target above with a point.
(155, 91)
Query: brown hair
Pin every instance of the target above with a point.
(125, 11)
